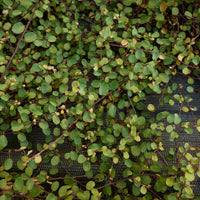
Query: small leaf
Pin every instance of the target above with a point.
(90, 185)
(43, 125)
(30, 184)
(18, 28)
(8, 164)
(143, 190)
(112, 111)
(170, 118)
(3, 141)
(51, 38)
(135, 190)
(3, 183)
(177, 119)
(170, 181)
(30, 37)
(87, 117)
(164, 77)
(56, 119)
(86, 166)
(38, 159)
(104, 88)
(18, 184)
(175, 11)
(55, 185)
(189, 176)
(151, 107)
(163, 6)
(15, 126)
(51, 197)
(155, 167)
(55, 160)
(81, 158)
(62, 191)
(64, 123)
(132, 59)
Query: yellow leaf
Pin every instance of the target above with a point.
(181, 56)
(151, 107)
(38, 159)
(161, 57)
(134, 41)
(163, 6)
(124, 42)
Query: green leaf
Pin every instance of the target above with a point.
(155, 167)
(175, 11)
(15, 126)
(132, 58)
(43, 125)
(106, 32)
(143, 190)
(8, 3)
(30, 184)
(18, 28)
(18, 184)
(90, 185)
(170, 181)
(135, 150)
(3, 183)
(3, 141)
(170, 118)
(164, 77)
(51, 38)
(87, 117)
(188, 190)
(55, 185)
(51, 197)
(190, 89)
(110, 138)
(177, 119)
(81, 196)
(55, 160)
(62, 191)
(26, 3)
(30, 37)
(86, 166)
(138, 54)
(188, 14)
(21, 93)
(8, 164)
(121, 184)
(160, 17)
(64, 123)
(81, 158)
(112, 111)
(135, 190)
(104, 88)
(189, 176)
(56, 119)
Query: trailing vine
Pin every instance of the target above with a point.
(99, 99)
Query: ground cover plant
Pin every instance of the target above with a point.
(82, 84)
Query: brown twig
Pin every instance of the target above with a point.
(22, 36)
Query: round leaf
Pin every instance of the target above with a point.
(18, 28)
(3, 141)
(30, 37)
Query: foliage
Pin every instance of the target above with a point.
(85, 69)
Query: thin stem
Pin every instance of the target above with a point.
(22, 36)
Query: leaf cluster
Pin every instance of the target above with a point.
(97, 99)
